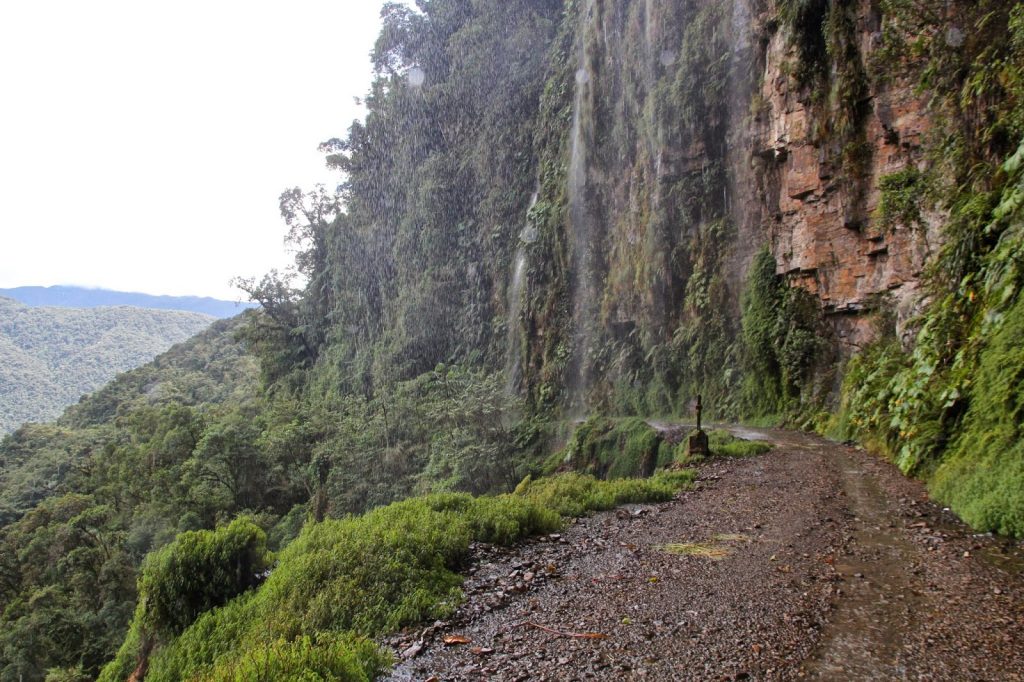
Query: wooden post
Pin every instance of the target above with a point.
(697, 443)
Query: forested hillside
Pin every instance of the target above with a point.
(50, 357)
(84, 499)
(809, 211)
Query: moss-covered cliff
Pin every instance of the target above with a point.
(742, 196)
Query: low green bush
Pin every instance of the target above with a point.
(328, 658)
(573, 494)
(503, 520)
(724, 444)
(340, 580)
(675, 479)
(201, 570)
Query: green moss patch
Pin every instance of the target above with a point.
(724, 444)
(573, 494)
(982, 476)
(329, 657)
(613, 448)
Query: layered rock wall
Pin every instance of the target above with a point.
(820, 215)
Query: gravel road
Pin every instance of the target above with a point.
(815, 561)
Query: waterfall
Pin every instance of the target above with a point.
(649, 30)
(741, 23)
(581, 239)
(513, 358)
(740, 90)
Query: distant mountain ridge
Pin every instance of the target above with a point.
(82, 297)
(51, 356)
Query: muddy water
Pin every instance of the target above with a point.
(875, 602)
(882, 601)
(863, 638)
(1001, 553)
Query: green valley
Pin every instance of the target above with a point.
(50, 357)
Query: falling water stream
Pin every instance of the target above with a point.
(513, 368)
(649, 29)
(581, 238)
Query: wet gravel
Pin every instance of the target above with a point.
(830, 565)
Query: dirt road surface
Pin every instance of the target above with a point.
(815, 561)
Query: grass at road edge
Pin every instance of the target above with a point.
(344, 581)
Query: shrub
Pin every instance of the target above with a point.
(901, 196)
(505, 519)
(340, 658)
(201, 570)
(573, 494)
(982, 477)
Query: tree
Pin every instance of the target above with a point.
(308, 216)
(276, 334)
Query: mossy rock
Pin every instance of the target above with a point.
(614, 448)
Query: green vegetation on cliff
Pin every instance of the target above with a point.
(783, 342)
(649, 322)
(611, 449)
(982, 473)
(950, 410)
(948, 407)
(343, 580)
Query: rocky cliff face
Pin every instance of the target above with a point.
(820, 211)
(696, 134)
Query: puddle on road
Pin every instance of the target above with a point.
(864, 636)
(748, 434)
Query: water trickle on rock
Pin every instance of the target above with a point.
(513, 361)
(581, 240)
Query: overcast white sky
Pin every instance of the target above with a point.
(144, 144)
